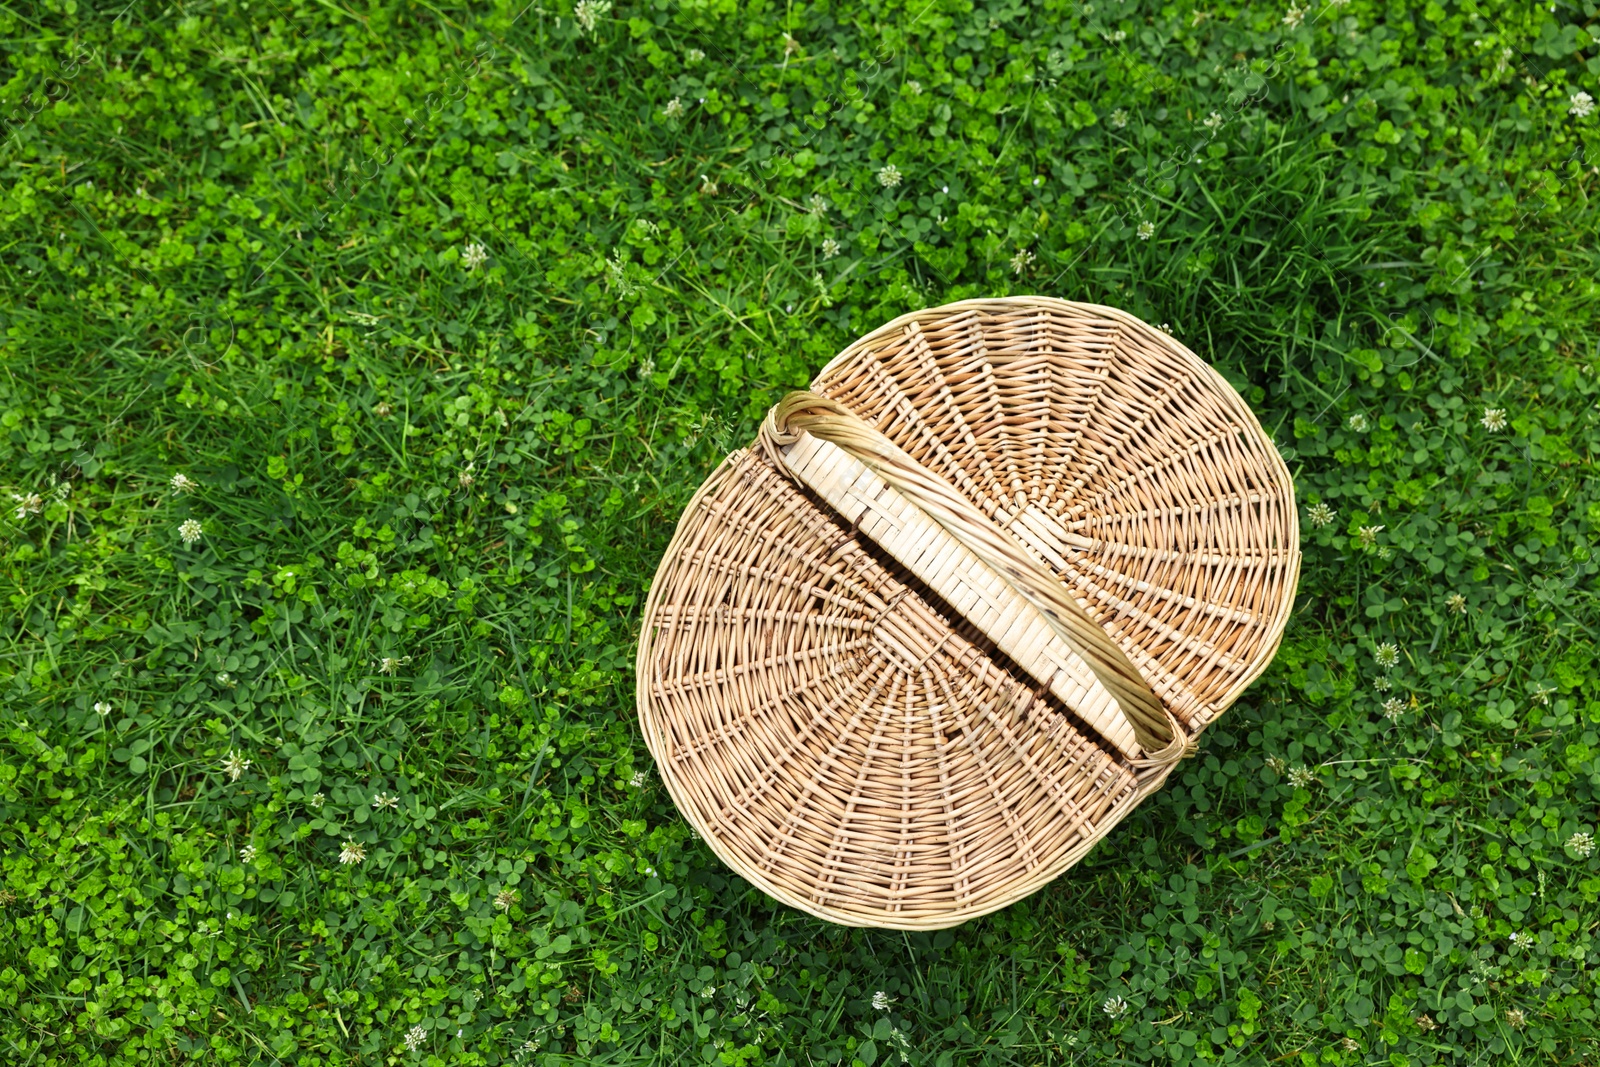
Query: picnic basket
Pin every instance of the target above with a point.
(962, 606)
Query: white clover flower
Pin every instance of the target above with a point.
(1320, 514)
(473, 256)
(1493, 419)
(383, 410)
(1115, 1007)
(1146, 230)
(247, 854)
(504, 899)
(674, 108)
(902, 1044)
(102, 708)
(352, 852)
(889, 176)
(638, 780)
(1381, 684)
(28, 504)
(1293, 17)
(318, 799)
(1166, 328)
(1386, 655)
(1582, 104)
(1456, 603)
(1119, 118)
(1582, 844)
(647, 367)
(914, 88)
(224, 678)
(1213, 120)
(1021, 260)
(387, 664)
(1349, 1044)
(234, 765)
(816, 207)
(1300, 778)
(881, 1001)
(1368, 535)
(384, 800)
(465, 478)
(1393, 708)
(1275, 764)
(830, 248)
(181, 484)
(1515, 1017)
(693, 56)
(1357, 422)
(588, 12)
(707, 186)
(415, 1037)
(708, 992)
(190, 531)
(1117, 36)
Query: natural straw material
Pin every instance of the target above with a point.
(962, 606)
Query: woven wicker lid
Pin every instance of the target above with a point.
(961, 607)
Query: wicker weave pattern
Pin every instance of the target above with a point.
(872, 722)
(1172, 516)
(976, 591)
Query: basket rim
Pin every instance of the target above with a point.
(1147, 784)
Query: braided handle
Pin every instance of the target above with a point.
(1157, 732)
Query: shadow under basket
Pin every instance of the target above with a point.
(961, 607)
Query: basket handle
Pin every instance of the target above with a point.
(1158, 733)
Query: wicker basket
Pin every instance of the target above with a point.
(962, 607)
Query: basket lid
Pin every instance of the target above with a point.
(961, 607)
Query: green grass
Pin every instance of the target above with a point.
(234, 247)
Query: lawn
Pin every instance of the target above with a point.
(358, 361)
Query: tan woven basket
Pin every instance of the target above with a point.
(962, 607)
